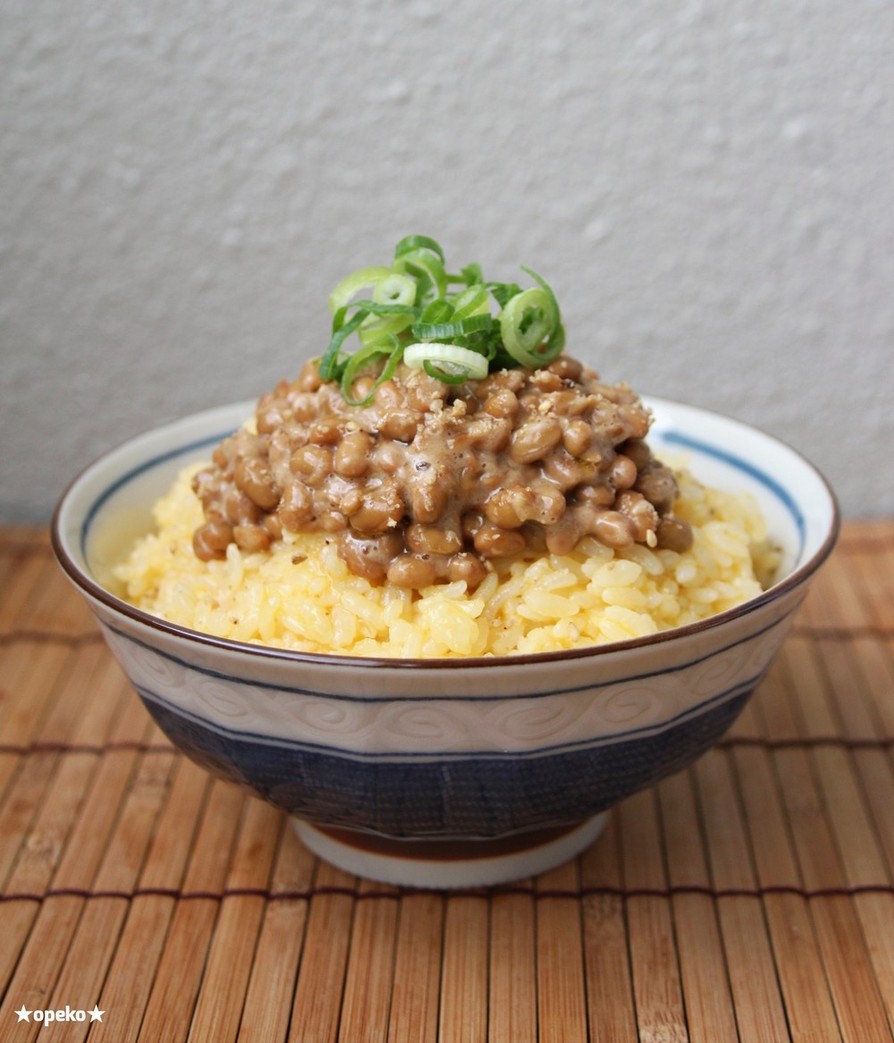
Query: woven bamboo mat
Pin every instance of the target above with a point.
(750, 898)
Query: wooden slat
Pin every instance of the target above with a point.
(417, 969)
(370, 969)
(178, 977)
(561, 982)
(656, 972)
(316, 1008)
(749, 898)
(710, 1016)
(271, 985)
(131, 977)
(32, 675)
(463, 1013)
(93, 945)
(218, 1010)
(512, 999)
(611, 1013)
(750, 929)
(20, 588)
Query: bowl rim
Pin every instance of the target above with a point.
(89, 586)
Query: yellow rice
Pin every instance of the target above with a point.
(301, 595)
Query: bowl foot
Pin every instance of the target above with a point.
(444, 863)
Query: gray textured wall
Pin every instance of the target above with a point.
(707, 186)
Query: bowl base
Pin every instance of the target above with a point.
(440, 864)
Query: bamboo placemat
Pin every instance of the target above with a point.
(749, 898)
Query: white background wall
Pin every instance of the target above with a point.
(708, 187)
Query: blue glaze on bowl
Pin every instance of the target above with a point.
(475, 796)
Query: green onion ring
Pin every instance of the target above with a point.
(330, 365)
(439, 310)
(412, 243)
(360, 360)
(395, 288)
(451, 358)
(530, 325)
(460, 377)
(353, 283)
(427, 268)
(449, 330)
(557, 337)
(473, 301)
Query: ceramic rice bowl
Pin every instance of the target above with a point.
(446, 773)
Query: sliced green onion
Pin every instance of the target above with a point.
(374, 328)
(450, 330)
(363, 358)
(524, 324)
(395, 288)
(473, 301)
(452, 359)
(471, 275)
(530, 326)
(437, 311)
(411, 243)
(330, 364)
(428, 270)
(352, 284)
(407, 312)
(557, 337)
(459, 376)
(503, 291)
(396, 293)
(423, 258)
(380, 308)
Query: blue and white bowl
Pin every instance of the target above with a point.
(445, 773)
